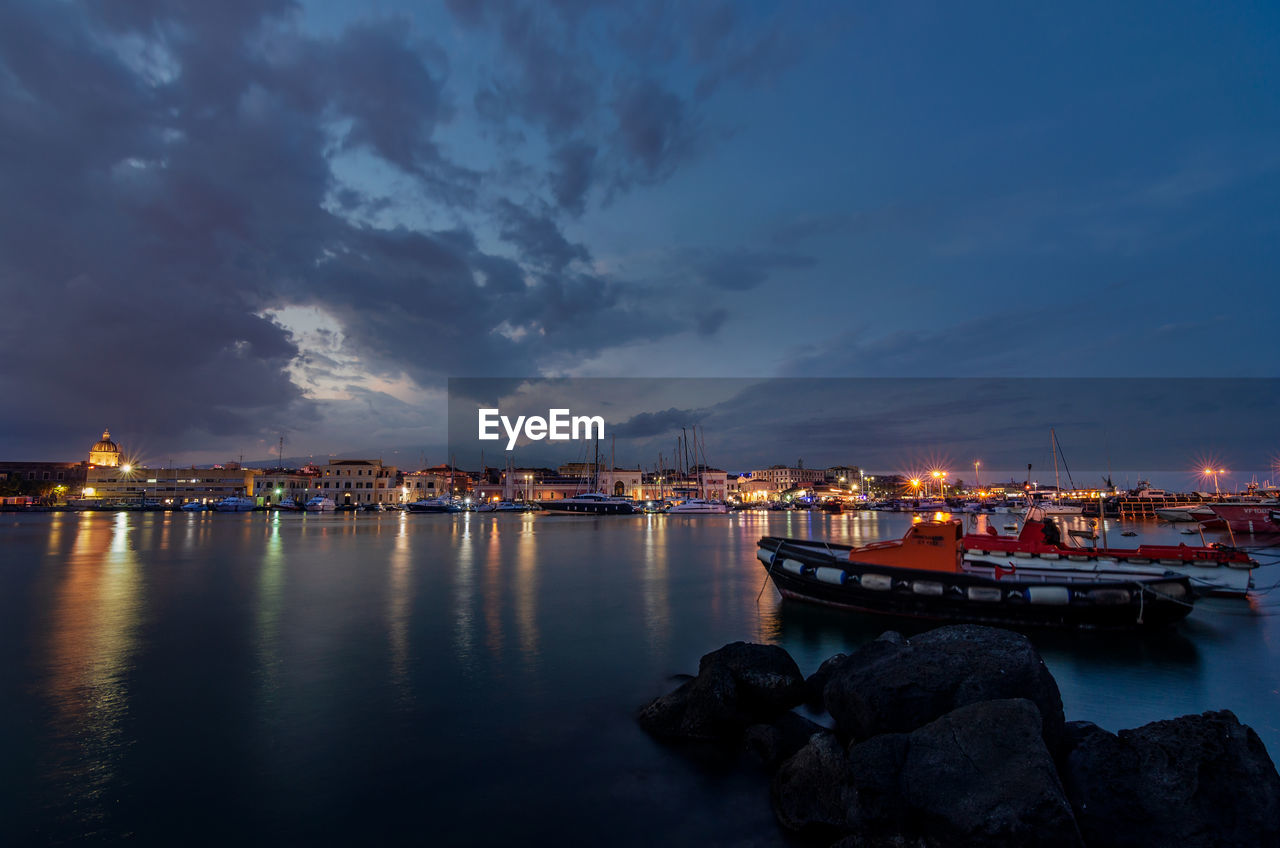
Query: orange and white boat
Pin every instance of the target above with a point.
(925, 575)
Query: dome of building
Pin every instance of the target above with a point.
(105, 451)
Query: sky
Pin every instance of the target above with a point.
(224, 222)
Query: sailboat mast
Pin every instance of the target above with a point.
(1053, 447)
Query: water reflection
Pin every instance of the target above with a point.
(655, 583)
(271, 574)
(463, 596)
(91, 644)
(526, 589)
(399, 605)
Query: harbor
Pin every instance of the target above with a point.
(331, 655)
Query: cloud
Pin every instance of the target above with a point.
(745, 268)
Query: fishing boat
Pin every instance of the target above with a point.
(1248, 517)
(235, 503)
(924, 575)
(320, 503)
(592, 503)
(1212, 569)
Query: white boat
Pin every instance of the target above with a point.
(699, 506)
(1175, 515)
(235, 503)
(320, 503)
(1224, 571)
(288, 505)
(194, 506)
(431, 505)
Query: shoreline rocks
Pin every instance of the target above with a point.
(957, 737)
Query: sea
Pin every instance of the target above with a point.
(458, 679)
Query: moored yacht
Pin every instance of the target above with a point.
(320, 503)
(699, 506)
(592, 503)
(235, 503)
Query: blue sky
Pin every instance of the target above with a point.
(227, 221)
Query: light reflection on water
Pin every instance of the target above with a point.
(333, 662)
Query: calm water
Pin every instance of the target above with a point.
(460, 679)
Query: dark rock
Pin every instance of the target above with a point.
(894, 687)
(739, 685)
(1195, 781)
(767, 678)
(773, 743)
(812, 791)
(816, 684)
(981, 775)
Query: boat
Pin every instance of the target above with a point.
(288, 505)
(592, 503)
(319, 503)
(194, 506)
(1212, 569)
(924, 575)
(430, 505)
(698, 506)
(1248, 517)
(1178, 514)
(374, 507)
(235, 503)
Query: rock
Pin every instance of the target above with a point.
(812, 791)
(768, 679)
(981, 775)
(739, 685)
(895, 687)
(1195, 781)
(773, 743)
(816, 684)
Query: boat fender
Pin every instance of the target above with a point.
(834, 576)
(1053, 596)
(926, 587)
(1170, 590)
(1107, 560)
(793, 566)
(1050, 556)
(1077, 557)
(877, 582)
(976, 551)
(765, 556)
(1139, 560)
(1171, 562)
(1110, 596)
(985, 594)
(1240, 564)
(1023, 554)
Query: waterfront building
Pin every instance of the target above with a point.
(276, 484)
(169, 486)
(47, 481)
(358, 482)
(105, 453)
(785, 477)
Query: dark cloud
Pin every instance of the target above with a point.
(538, 238)
(655, 131)
(163, 194)
(572, 175)
(710, 320)
(744, 269)
(646, 425)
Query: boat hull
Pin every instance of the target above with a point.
(820, 574)
(1247, 518)
(588, 508)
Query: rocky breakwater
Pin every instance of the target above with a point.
(957, 737)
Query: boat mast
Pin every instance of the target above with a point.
(1053, 448)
